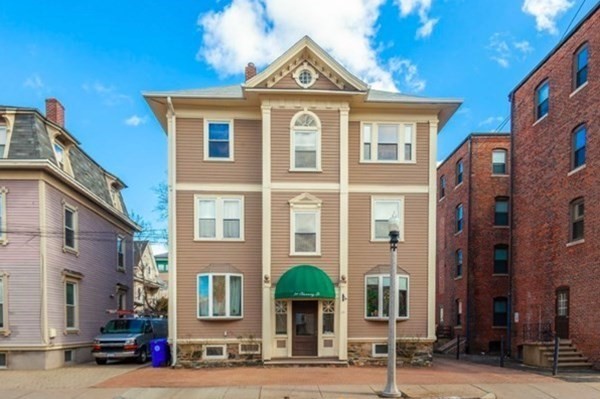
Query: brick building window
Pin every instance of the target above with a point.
(542, 99)
(578, 147)
(499, 162)
(459, 218)
(501, 259)
(442, 187)
(577, 210)
(501, 212)
(458, 311)
(580, 65)
(459, 172)
(459, 262)
(500, 312)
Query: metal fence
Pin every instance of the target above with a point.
(537, 332)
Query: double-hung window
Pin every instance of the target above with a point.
(70, 221)
(120, 253)
(218, 140)
(499, 162)
(442, 187)
(459, 218)
(388, 142)
(382, 209)
(71, 305)
(219, 218)
(306, 226)
(459, 263)
(220, 295)
(501, 212)
(305, 143)
(377, 294)
(59, 152)
(459, 172)
(501, 259)
(500, 312)
(3, 139)
(3, 223)
(578, 146)
(577, 213)
(542, 100)
(581, 66)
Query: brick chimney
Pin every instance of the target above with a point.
(55, 111)
(250, 71)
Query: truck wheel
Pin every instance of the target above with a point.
(100, 361)
(143, 356)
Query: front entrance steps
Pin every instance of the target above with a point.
(308, 361)
(541, 354)
(450, 346)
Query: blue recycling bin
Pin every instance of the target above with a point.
(160, 352)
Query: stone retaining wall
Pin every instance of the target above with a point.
(408, 353)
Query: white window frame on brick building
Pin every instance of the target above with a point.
(578, 147)
(576, 219)
(402, 135)
(580, 66)
(459, 218)
(499, 156)
(542, 99)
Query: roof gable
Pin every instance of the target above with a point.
(307, 52)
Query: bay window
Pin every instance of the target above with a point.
(377, 296)
(220, 295)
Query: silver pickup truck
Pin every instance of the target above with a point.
(128, 338)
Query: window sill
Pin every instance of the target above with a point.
(458, 277)
(500, 227)
(441, 199)
(382, 162)
(4, 242)
(386, 319)
(292, 170)
(219, 160)
(458, 185)
(500, 175)
(577, 90)
(121, 269)
(499, 274)
(458, 233)
(305, 254)
(220, 318)
(498, 327)
(540, 119)
(74, 331)
(577, 242)
(577, 169)
(459, 327)
(219, 240)
(5, 332)
(69, 250)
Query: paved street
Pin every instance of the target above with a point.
(446, 379)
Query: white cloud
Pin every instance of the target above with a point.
(109, 93)
(34, 82)
(491, 120)
(135, 120)
(546, 12)
(409, 72)
(261, 30)
(502, 46)
(421, 7)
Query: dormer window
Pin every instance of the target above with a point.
(59, 152)
(3, 140)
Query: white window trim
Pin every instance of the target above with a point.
(231, 158)
(124, 250)
(75, 211)
(505, 152)
(313, 73)
(219, 199)
(3, 216)
(5, 122)
(227, 297)
(302, 208)
(221, 357)
(380, 305)
(5, 329)
(317, 131)
(374, 199)
(401, 142)
(75, 282)
(375, 354)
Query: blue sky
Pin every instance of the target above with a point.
(96, 57)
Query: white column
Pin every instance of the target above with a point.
(343, 233)
(172, 226)
(433, 132)
(267, 332)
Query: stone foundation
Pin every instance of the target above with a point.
(191, 356)
(408, 353)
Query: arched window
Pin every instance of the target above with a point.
(305, 142)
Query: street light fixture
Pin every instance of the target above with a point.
(391, 389)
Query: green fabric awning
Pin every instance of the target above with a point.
(305, 282)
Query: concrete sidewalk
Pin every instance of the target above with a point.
(553, 390)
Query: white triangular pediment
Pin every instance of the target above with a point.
(305, 199)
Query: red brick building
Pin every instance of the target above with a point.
(473, 238)
(556, 194)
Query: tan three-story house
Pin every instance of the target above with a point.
(280, 193)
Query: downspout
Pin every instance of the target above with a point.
(469, 298)
(172, 224)
(512, 225)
